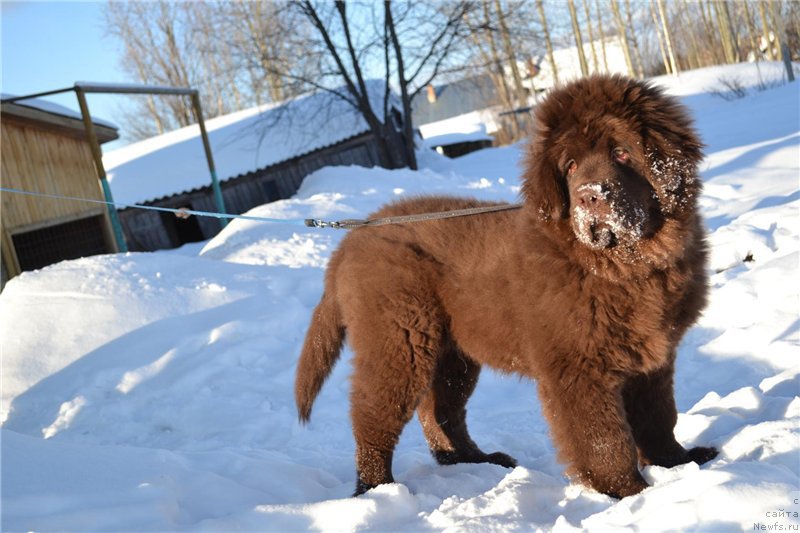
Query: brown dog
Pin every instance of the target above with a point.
(588, 288)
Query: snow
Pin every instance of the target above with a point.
(241, 142)
(477, 134)
(153, 391)
(479, 123)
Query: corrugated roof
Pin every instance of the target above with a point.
(241, 142)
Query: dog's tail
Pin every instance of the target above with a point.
(320, 352)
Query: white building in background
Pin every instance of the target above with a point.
(569, 67)
(469, 111)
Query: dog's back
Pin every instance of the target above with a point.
(384, 261)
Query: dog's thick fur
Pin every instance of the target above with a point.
(588, 288)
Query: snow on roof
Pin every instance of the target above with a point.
(241, 142)
(55, 109)
(455, 130)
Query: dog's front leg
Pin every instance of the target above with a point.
(650, 408)
(591, 433)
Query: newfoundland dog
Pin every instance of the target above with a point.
(587, 289)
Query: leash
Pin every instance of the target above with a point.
(349, 223)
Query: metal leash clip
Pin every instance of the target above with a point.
(348, 223)
(317, 223)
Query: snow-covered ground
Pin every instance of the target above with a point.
(153, 392)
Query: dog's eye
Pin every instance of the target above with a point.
(572, 166)
(621, 155)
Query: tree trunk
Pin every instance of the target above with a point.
(622, 35)
(356, 88)
(694, 55)
(511, 57)
(602, 33)
(637, 54)
(548, 41)
(762, 11)
(751, 32)
(723, 24)
(408, 124)
(710, 50)
(576, 30)
(667, 37)
(661, 47)
(591, 35)
(499, 77)
(777, 28)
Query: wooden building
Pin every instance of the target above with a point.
(261, 154)
(44, 149)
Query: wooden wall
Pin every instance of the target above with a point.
(37, 160)
(52, 162)
(146, 230)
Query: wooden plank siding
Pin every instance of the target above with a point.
(45, 156)
(39, 161)
(149, 230)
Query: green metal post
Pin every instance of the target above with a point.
(97, 155)
(220, 201)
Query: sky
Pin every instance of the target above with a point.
(51, 45)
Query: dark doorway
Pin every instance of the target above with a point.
(182, 230)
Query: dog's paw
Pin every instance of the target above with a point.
(502, 459)
(701, 454)
(475, 456)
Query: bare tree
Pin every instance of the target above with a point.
(661, 46)
(667, 38)
(548, 41)
(689, 27)
(591, 35)
(417, 66)
(482, 37)
(156, 51)
(751, 32)
(511, 57)
(777, 27)
(601, 31)
(344, 50)
(226, 50)
(765, 26)
(637, 54)
(576, 30)
(621, 30)
(726, 31)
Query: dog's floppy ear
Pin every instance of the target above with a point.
(543, 187)
(674, 152)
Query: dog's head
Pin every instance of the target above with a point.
(614, 157)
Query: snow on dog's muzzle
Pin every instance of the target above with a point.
(603, 216)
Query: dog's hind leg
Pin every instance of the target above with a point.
(395, 357)
(442, 412)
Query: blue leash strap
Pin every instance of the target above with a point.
(178, 212)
